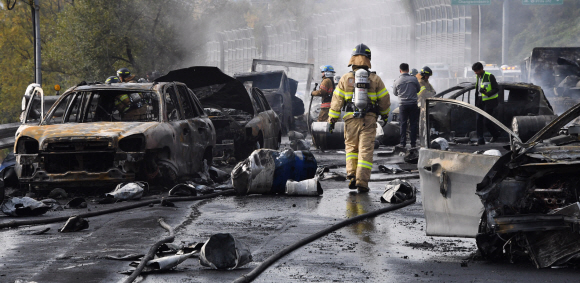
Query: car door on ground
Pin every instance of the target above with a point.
(448, 180)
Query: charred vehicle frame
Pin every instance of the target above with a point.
(89, 138)
(243, 118)
(522, 203)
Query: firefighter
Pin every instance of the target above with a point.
(325, 91)
(125, 76)
(414, 72)
(130, 106)
(486, 92)
(363, 96)
(426, 89)
(112, 80)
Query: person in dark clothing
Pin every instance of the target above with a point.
(406, 88)
(486, 92)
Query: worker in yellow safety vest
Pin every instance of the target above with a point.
(363, 96)
(486, 92)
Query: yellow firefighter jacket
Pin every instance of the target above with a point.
(378, 95)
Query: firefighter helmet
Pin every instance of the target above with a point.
(362, 49)
(112, 79)
(426, 71)
(123, 73)
(328, 71)
(413, 72)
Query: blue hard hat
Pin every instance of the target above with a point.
(326, 68)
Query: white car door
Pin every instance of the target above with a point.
(449, 178)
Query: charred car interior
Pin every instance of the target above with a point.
(518, 201)
(100, 134)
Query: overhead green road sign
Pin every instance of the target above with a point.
(470, 2)
(542, 2)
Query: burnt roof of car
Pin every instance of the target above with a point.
(122, 86)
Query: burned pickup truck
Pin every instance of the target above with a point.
(243, 118)
(518, 200)
(101, 134)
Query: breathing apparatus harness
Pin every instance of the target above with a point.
(361, 104)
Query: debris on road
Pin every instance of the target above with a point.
(163, 263)
(183, 190)
(412, 156)
(125, 257)
(218, 175)
(128, 191)
(310, 187)
(34, 232)
(300, 145)
(54, 204)
(391, 169)
(24, 206)
(74, 224)
(57, 193)
(398, 191)
(224, 252)
(266, 171)
(76, 203)
(440, 143)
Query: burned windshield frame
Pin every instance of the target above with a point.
(99, 106)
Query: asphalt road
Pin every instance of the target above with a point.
(392, 247)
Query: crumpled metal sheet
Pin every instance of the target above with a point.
(74, 224)
(391, 169)
(166, 263)
(24, 206)
(222, 251)
(398, 191)
(128, 191)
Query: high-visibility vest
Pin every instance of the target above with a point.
(485, 83)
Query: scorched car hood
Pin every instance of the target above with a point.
(113, 130)
(212, 87)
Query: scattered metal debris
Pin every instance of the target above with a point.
(74, 224)
(54, 204)
(224, 252)
(128, 191)
(391, 169)
(76, 203)
(165, 263)
(57, 193)
(125, 257)
(266, 171)
(24, 206)
(310, 187)
(34, 232)
(182, 190)
(398, 191)
(440, 143)
(218, 175)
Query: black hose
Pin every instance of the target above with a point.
(152, 251)
(17, 223)
(273, 258)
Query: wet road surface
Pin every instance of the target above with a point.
(389, 248)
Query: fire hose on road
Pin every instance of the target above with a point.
(275, 257)
(17, 223)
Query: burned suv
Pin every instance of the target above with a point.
(99, 134)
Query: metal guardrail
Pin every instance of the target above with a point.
(7, 134)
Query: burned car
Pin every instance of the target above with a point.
(518, 200)
(243, 118)
(525, 101)
(280, 91)
(101, 134)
